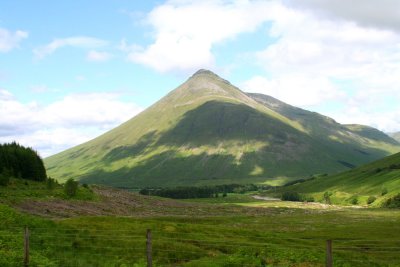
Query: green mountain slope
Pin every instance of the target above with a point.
(321, 126)
(207, 131)
(367, 180)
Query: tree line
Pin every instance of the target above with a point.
(21, 162)
(185, 192)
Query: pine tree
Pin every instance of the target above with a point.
(23, 162)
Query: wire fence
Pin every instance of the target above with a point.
(160, 246)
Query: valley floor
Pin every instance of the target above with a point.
(110, 230)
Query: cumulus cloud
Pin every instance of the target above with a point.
(50, 141)
(72, 120)
(10, 40)
(98, 56)
(337, 59)
(185, 31)
(5, 95)
(102, 110)
(296, 89)
(388, 121)
(384, 14)
(309, 44)
(78, 41)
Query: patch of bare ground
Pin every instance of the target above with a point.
(117, 202)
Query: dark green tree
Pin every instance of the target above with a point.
(4, 179)
(327, 197)
(371, 200)
(291, 196)
(70, 187)
(393, 202)
(354, 200)
(51, 183)
(23, 162)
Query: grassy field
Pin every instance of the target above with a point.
(233, 231)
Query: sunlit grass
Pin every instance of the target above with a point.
(284, 234)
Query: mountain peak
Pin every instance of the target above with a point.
(209, 131)
(204, 71)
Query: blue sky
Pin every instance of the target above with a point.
(71, 70)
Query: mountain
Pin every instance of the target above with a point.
(380, 179)
(207, 131)
(395, 136)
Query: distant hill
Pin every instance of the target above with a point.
(395, 136)
(207, 131)
(380, 178)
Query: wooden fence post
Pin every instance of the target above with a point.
(149, 249)
(329, 257)
(26, 247)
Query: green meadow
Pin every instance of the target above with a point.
(234, 231)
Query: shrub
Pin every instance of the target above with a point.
(239, 190)
(394, 166)
(145, 191)
(50, 183)
(184, 192)
(4, 179)
(393, 202)
(327, 197)
(291, 196)
(5, 176)
(70, 187)
(354, 200)
(371, 200)
(309, 199)
(384, 191)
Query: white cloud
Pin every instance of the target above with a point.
(307, 44)
(78, 41)
(10, 40)
(298, 90)
(50, 141)
(5, 95)
(70, 121)
(385, 121)
(124, 47)
(383, 14)
(96, 109)
(333, 60)
(98, 56)
(185, 31)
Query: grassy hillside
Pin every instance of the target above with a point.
(365, 181)
(110, 230)
(209, 132)
(19, 190)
